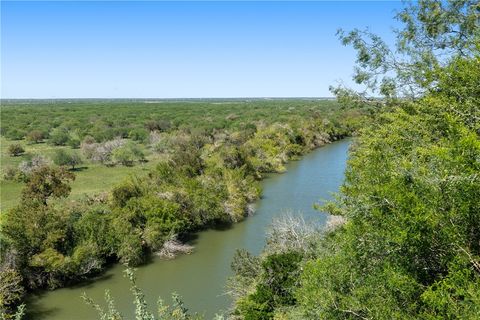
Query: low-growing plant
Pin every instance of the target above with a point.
(15, 150)
(35, 136)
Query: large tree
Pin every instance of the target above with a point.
(433, 32)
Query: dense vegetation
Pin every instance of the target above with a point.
(107, 140)
(199, 178)
(61, 122)
(405, 236)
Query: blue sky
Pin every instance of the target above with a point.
(180, 49)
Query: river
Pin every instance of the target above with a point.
(200, 277)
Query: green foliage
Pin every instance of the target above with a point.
(176, 311)
(59, 137)
(64, 158)
(275, 289)
(128, 154)
(138, 134)
(14, 134)
(123, 192)
(11, 289)
(46, 182)
(433, 32)
(409, 246)
(203, 176)
(118, 118)
(15, 150)
(16, 315)
(35, 136)
(74, 142)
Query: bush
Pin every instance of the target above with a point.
(74, 143)
(27, 167)
(88, 140)
(15, 150)
(10, 173)
(128, 154)
(11, 290)
(64, 158)
(46, 182)
(157, 125)
(59, 137)
(101, 152)
(15, 134)
(123, 192)
(35, 136)
(139, 134)
(279, 279)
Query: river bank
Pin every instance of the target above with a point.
(200, 277)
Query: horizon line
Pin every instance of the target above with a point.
(175, 98)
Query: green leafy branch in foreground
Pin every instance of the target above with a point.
(18, 315)
(177, 311)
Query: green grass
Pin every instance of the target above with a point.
(10, 193)
(90, 178)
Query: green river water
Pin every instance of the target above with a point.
(200, 277)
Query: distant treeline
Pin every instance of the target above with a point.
(105, 120)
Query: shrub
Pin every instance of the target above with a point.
(10, 173)
(15, 150)
(64, 158)
(46, 182)
(35, 136)
(123, 192)
(59, 137)
(15, 134)
(11, 290)
(27, 167)
(138, 135)
(157, 125)
(279, 278)
(128, 154)
(88, 140)
(73, 142)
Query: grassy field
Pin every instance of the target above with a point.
(90, 178)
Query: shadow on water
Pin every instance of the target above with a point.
(36, 310)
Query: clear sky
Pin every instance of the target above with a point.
(180, 49)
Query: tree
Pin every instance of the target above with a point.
(157, 125)
(73, 142)
(59, 137)
(35, 136)
(15, 150)
(127, 154)
(64, 158)
(46, 182)
(138, 134)
(433, 31)
(410, 246)
(15, 134)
